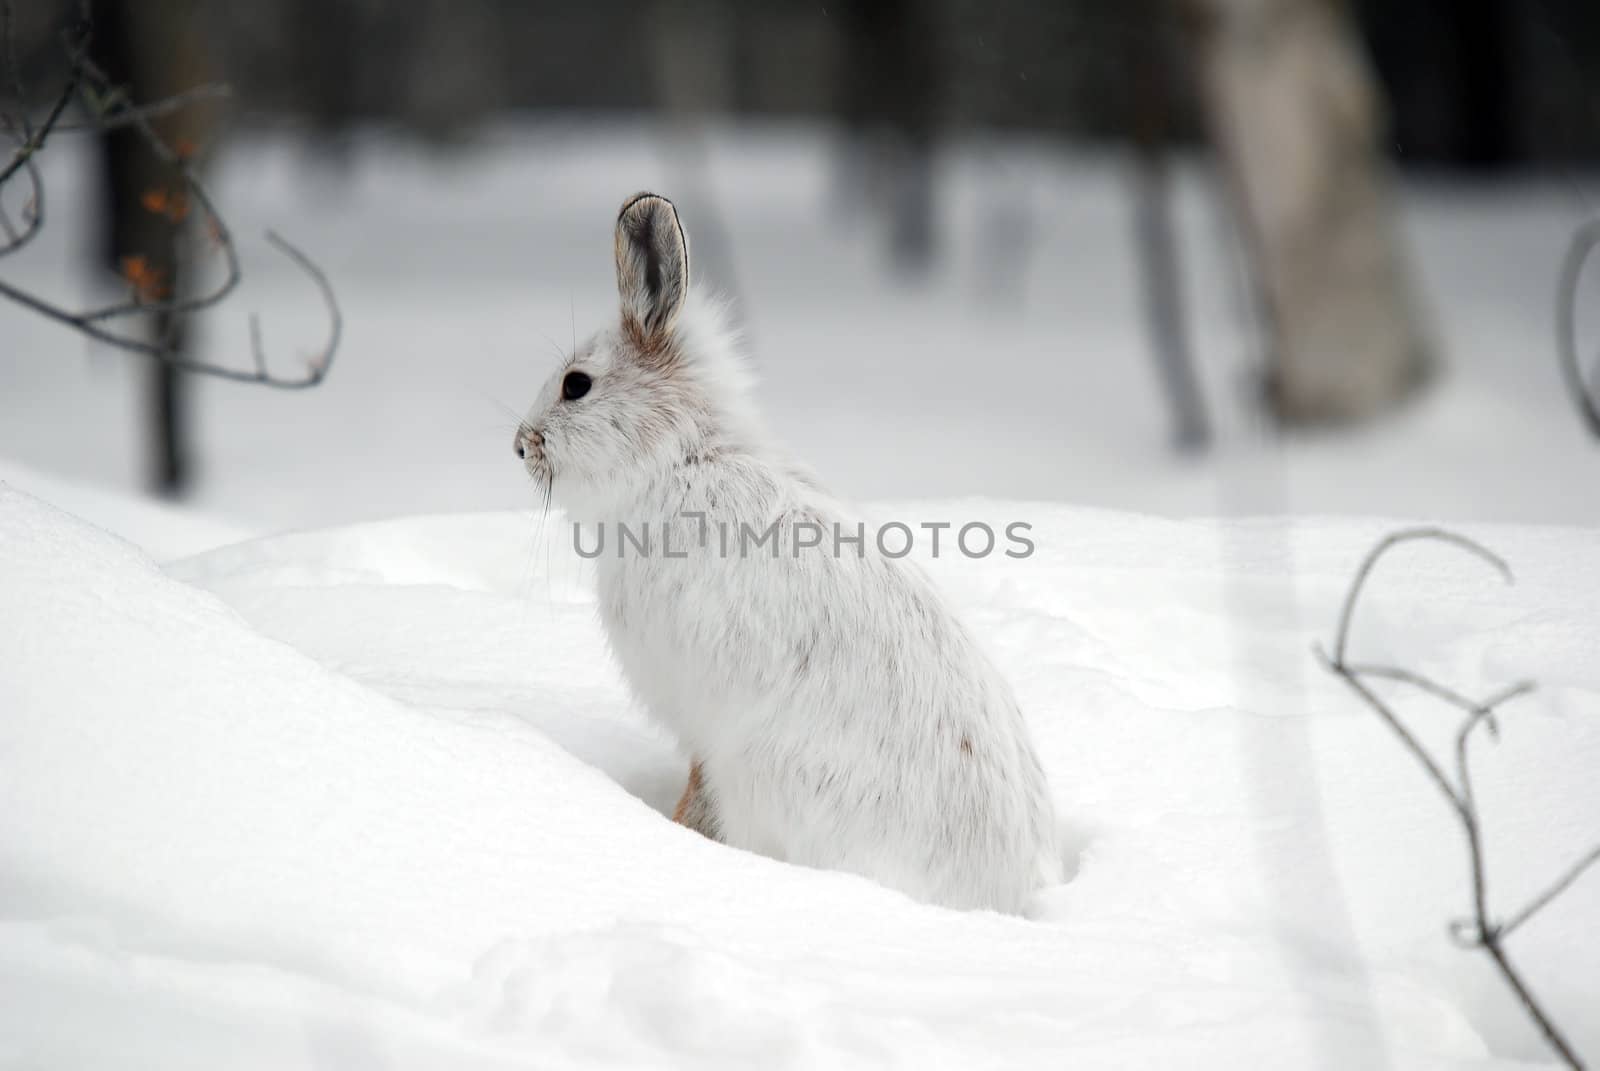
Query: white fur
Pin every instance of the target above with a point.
(842, 716)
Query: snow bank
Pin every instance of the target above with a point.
(162, 530)
(374, 797)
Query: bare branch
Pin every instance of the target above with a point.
(32, 214)
(33, 207)
(1407, 740)
(317, 365)
(1557, 887)
(1448, 695)
(164, 350)
(34, 141)
(118, 112)
(1469, 820)
(212, 220)
(1479, 932)
(109, 107)
(1583, 244)
(1394, 539)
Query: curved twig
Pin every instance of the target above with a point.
(32, 214)
(1448, 695)
(1391, 719)
(124, 114)
(1405, 535)
(34, 140)
(211, 219)
(1472, 828)
(1491, 937)
(95, 88)
(1584, 241)
(317, 366)
(1557, 887)
(1478, 932)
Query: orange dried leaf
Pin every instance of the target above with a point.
(147, 281)
(174, 206)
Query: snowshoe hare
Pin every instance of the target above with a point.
(837, 713)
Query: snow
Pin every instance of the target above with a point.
(165, 530)
(372, 797)
(370, 794)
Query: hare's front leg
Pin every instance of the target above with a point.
(695, 808)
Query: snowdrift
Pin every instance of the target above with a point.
(376, 798)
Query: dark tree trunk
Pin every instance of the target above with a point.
(151, 48)
(168, 407)
(890, 97)
(1484, 84)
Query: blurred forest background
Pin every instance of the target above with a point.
(1306, 108)
(1470, 84)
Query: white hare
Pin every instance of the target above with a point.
(838, 714)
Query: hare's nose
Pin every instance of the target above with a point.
(525, 437)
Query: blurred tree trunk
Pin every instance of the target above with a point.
(889, 100)
(1151, 61)
(1467, 104)
(1294, 116)
(1484, 83)
(693, 42)
(155, 49)
(327, 38)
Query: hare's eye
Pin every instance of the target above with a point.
(575, 385)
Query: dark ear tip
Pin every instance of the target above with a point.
(645, 201)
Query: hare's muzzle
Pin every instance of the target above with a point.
(528, 443)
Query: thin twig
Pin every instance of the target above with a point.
(119, 113)
(1584, 241)
(32, 214)
(1557, 887)
(33, 210)
(1447, 695)
(1480, 932)
(1411, 743)
(1474, 831)
(34, 141)
(1405, 535)
(317, 366)
(211, 219)
(1490, 937)
(108, 107)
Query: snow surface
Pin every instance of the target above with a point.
(163, 529)
(371, 797)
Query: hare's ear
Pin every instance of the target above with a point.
(652, 265)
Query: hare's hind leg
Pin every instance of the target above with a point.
(695, 807)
